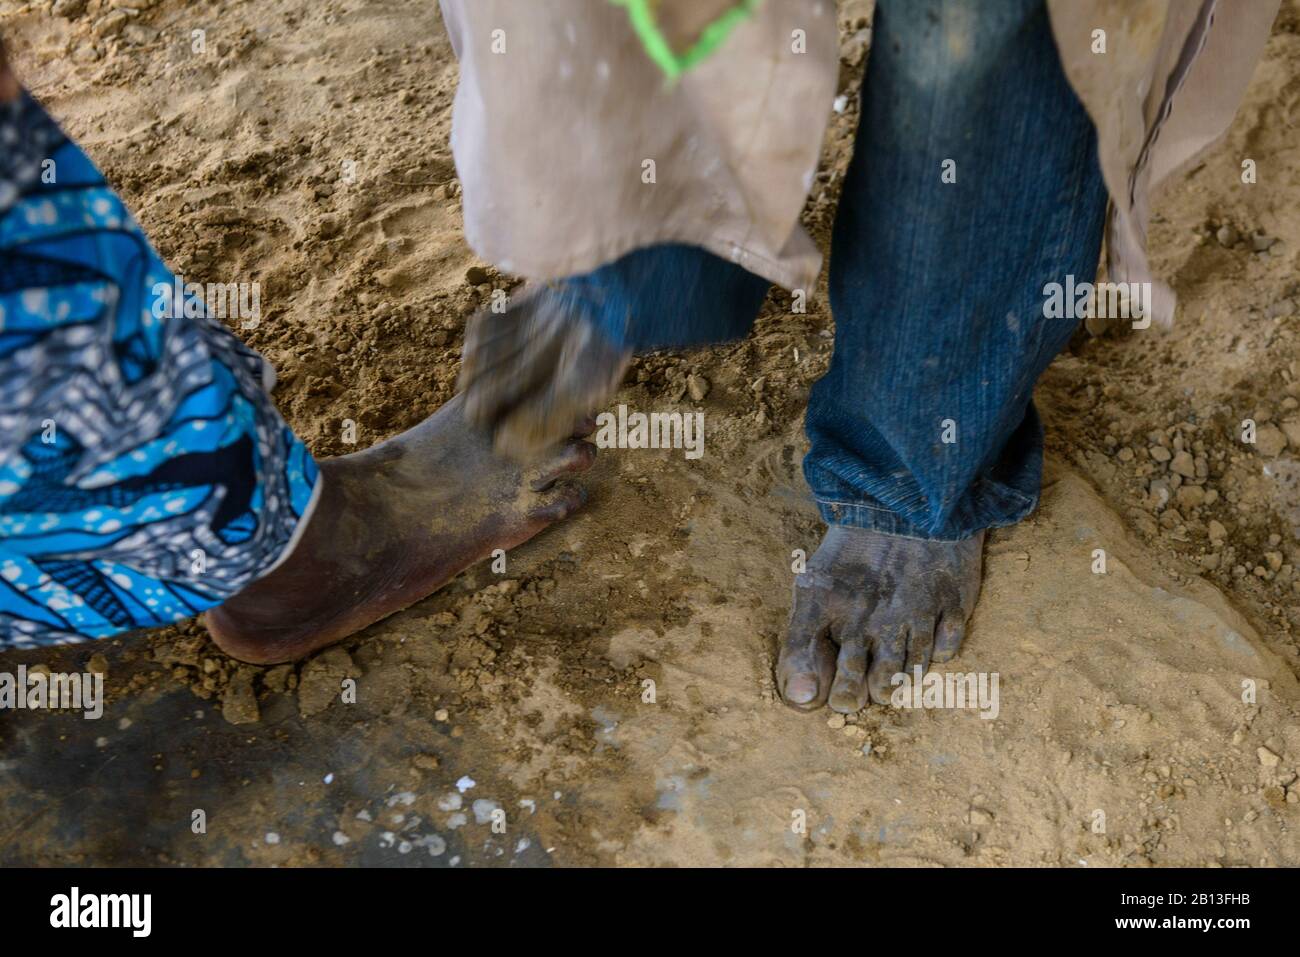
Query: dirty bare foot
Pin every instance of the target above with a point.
(393, 524)
(889, 603)
(530, 373)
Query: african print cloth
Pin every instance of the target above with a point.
(145, 474)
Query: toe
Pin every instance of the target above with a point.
(558, 502)
(806, 665)
(849, 692)
(889, 656)
(804, 676)
(571, 458)
(949, 634)
(920, 644)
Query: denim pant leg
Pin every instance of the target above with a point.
(924, 425)
(670, 296)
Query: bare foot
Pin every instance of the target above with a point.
(889, 603)
(393, 524)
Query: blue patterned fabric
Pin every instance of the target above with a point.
(145, 474)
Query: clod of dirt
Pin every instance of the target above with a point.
(1270, 440)
(68, 9)
(239, 701)
(426, 762)
(278, 679)
(322, 680)
(1183, 465)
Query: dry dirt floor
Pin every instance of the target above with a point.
(1122, 740)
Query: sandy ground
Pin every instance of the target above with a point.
(1122, 736)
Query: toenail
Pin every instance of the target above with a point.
(801, 689)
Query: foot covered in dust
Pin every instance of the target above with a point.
(870, 606)
(530, 373)
(393, 524)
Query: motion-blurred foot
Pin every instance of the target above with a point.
(530, 373)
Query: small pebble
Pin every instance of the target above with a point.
(1260, 242)
(1269, 440)
(483, 809)
(978, 817)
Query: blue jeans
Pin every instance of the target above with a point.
(924, 423)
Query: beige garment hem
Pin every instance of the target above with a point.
(798, 269)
